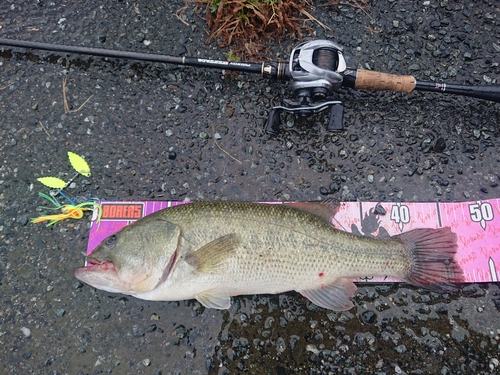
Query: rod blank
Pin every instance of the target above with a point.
(178, 60)
(486, 92)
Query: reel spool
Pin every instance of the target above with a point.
(315, 70)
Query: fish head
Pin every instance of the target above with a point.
(134, 260)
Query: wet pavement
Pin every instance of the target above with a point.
(148, 133)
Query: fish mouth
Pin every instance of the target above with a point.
(103, 265)
(94, 267)
(101, 274)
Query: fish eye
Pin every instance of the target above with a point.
(111, 240)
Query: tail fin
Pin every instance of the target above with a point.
(433, 265)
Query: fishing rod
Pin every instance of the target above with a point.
(316, 70)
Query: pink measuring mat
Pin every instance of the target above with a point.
(476, 223)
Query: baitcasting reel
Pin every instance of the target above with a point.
(315, 70)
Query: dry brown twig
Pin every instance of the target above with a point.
(45, 129)
(220, 148)
(180, 11)
(308, 15)
(372, 30)
(65, 100)
(361, 4)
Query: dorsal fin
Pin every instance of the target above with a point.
(325, 210)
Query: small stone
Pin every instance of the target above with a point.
(26, 331)
(334, 187)
(401, 349)
(60, 312)
(181, 331)
(440, 145)
(280, 345)
(459, 334)
(312, 348)
(368, 317)
(138, 331)
(269, 322)
(109, 192)
(23, 219)
(223, 130)
(146, 362)
(493, 363)
(379, 210)
(151, 328)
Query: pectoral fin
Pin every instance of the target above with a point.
(212, 255)
(215, 299)
(336, 296)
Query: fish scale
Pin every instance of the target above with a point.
(214, 250)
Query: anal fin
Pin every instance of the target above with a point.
(336, 296)
(215, 299)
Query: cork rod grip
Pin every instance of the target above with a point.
(370, 80)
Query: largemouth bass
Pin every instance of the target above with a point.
(211, 251)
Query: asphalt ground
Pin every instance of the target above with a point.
(149, 131)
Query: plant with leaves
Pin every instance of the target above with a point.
(247, 25)
(246, 21)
